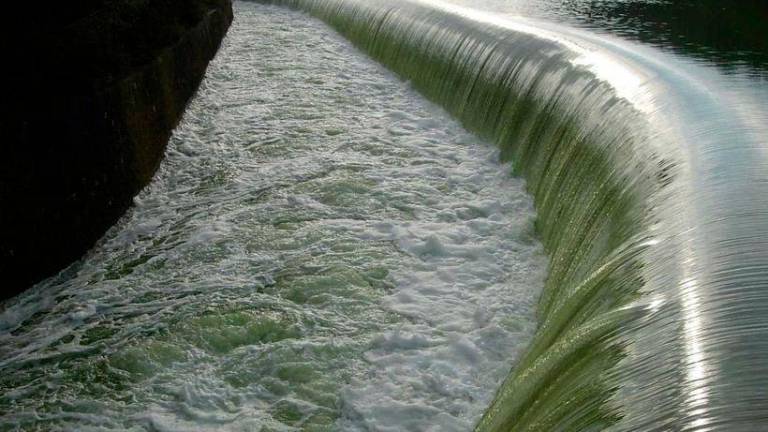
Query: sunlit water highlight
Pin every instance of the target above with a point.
(321, 250)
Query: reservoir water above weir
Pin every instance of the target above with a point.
(422, 215)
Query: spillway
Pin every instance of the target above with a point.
(324, 250)
(650, 182)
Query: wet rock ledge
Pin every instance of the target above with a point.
(93, 92)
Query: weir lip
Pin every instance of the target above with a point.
(655, 219)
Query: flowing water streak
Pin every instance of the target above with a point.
(650, 176)
(322, 249)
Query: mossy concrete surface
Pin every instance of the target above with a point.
(91, 99)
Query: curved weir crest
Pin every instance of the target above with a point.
(650, 180)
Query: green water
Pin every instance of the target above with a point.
(322, 249)
(648, 173)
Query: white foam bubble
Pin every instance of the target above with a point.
(321, 249)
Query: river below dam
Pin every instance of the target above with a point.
(322, 249)
(342, 236)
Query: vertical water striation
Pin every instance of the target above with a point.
(322, 249)
(650, 178)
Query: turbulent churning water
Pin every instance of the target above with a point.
(321, 249)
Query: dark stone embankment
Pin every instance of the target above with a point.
(93, 94)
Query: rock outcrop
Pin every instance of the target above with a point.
(93, 95)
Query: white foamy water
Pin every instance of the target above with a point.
(321, 249)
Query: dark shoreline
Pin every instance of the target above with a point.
(85, 121)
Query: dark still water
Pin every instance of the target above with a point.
(730, 34)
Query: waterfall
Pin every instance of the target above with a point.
(651, 189)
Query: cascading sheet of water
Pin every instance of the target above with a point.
(650, 178)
